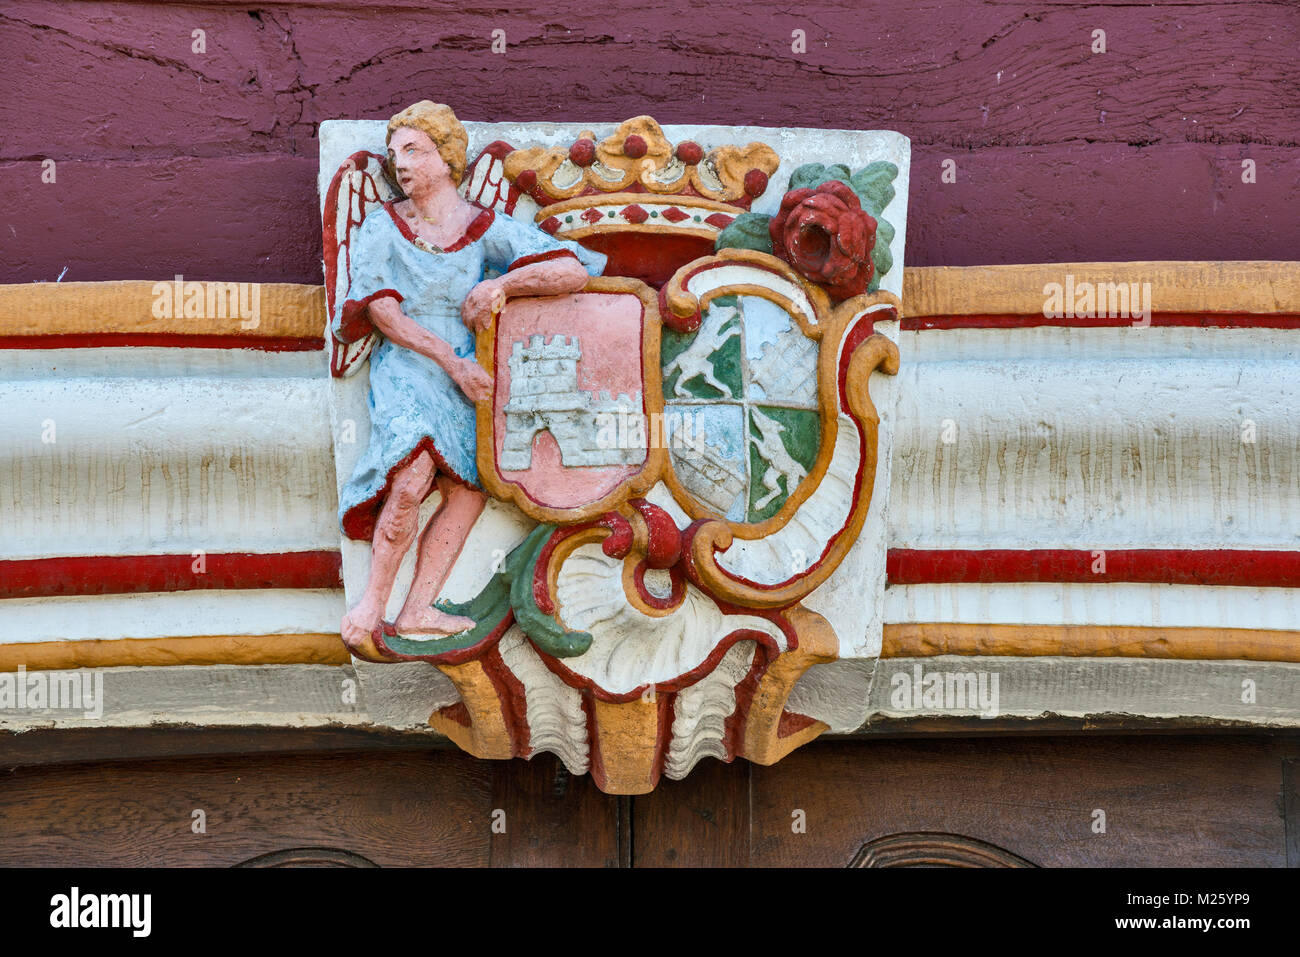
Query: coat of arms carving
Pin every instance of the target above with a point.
(623, 427)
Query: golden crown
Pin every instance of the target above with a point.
(636, 181)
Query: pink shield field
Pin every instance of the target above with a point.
(569, 402)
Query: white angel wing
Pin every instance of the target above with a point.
(358, 187)
(485, 180)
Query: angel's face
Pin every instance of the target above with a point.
(415, 161)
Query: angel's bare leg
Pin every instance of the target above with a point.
(440, 545)
(395, 531)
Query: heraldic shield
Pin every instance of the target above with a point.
(576, 383)
(658, 528)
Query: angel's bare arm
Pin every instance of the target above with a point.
(388, 318)
(551, 277)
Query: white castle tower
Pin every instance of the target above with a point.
(544, 396)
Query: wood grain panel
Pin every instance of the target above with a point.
(399, 808)
(1197, 802)
(1177, 800)
(553, 818)
(1291, 806)
(1168, 801)
(970, 75)
(250, 218)
(423, 808)
(1010, 205)
(207, 166)
(700, 821)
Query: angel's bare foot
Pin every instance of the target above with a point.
(360, 623)
(431, 621)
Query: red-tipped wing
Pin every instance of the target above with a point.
(357, 188)
(485, 180)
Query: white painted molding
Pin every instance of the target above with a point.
(1098, 439)
(1066, 438)
(163, 451)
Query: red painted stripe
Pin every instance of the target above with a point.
(513, 697)
(733, 738)
(1220, 320)
(1220, 566)
(130, 574)
(106, 340)
(792, 722)
(665, 711)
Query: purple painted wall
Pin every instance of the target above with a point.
(204, 163)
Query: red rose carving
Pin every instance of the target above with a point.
(827, 237)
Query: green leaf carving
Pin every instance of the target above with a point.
(510, 590)
(545, 630)
(812, 175)
(880, 254)
(874, 185)
(747, 231)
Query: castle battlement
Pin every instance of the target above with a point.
(603, 402)
(544, 396)
(539, 350)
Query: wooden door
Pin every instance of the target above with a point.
(1003, 802)
(1164, 800)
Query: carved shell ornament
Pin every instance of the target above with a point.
(690, 441)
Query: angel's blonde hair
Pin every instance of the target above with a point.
(439, 123)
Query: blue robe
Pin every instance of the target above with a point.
(414, 404)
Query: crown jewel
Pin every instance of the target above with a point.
(634, 183)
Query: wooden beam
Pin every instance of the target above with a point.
(80, 314)
(292, 311)
(926, 639)
(1260, 288)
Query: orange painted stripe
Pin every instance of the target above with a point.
(926, 639)
(293, 314)
(77, 313)
(306, 649)
(1261, 288)
(910, 640)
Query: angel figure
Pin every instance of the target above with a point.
(416, 284)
